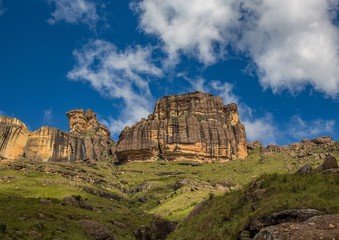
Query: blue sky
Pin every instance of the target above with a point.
(278, 60)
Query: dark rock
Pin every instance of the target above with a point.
(192, 164)
(76, 202)
(305, 170)
(329, 163)
(324, 227)
(161, 228)
(161, 173)
(102, 193)
(96, 230)
(119, 224)
(293, 215)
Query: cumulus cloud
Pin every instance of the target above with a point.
(197, 28)
(48, 116)
(74, 12)
(262, 129)
(292, 44)
(118, 75)
(300, 129)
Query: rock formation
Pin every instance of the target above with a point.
(190, 126)
(48, 144)
(13, 138)
(318, 227)
(299, 149)
(87, 140)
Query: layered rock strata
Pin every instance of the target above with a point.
(190, 126)
(87, 140)
(48, 144)
(13, 138)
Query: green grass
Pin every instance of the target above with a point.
(166, 196)
(225, 216)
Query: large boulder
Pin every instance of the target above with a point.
(330, 162)
(190, 126)
(319, 227)
(13, 138)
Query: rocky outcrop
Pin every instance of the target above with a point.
(48, 144)
(299, 149)
(87, 140)
(13, 138)
(319, 227)
(190, 126)
(85, 123)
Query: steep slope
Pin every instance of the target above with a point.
(193, 126)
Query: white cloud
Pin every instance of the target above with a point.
(119, 75)
(74, 12)
(48, 116)
(262, 129)
(293, 43)
(300, 129)
(197, 28)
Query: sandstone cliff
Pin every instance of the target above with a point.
(195, 125)
(87, 140)
(13, 138)
(48, 144)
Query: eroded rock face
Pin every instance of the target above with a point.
(81, 122)
(13, 138)
(48, 144)
(87, 140)
(194, 125)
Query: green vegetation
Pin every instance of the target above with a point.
(130, 197)
(225, 216)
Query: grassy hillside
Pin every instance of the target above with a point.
(132, 196)
(225, 216)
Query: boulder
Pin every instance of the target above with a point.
(324, 227)
(330, 162)
(189, 126)
(13, 138)
(96, 230)
(293, 215)
(305, 170)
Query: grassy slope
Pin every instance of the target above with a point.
(226, 216)
(21, 206)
